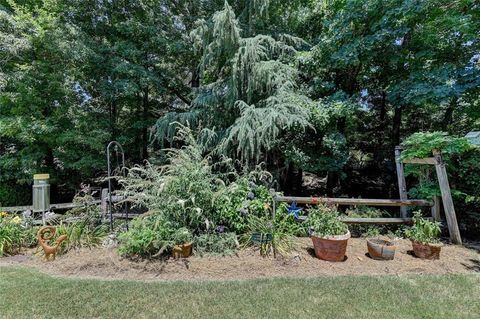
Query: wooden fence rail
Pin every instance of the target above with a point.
(58, 206)
(354, 201)
(358, 202)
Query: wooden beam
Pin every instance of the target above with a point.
(428, 160)
(436, 208)
(52, 206)
(448, 207)
(378, 221)
(353, 201)
(402, 184)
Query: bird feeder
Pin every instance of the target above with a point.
(41, 194)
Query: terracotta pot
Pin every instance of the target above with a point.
(380, 249)
(426, 251)
(331, 248)
(182, 251)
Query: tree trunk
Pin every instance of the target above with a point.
(397, 124)
(144, 139)
(448, 116)
(195, 77)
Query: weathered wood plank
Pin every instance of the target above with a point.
(379, 221)
(436, 209)
(428, 160)
(447, 200)
(52, 206)
(353, 201)
(402, 184)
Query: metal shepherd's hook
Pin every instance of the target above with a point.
(110, 178)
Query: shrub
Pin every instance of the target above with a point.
(216, 244)
(243, 198)
(323, 221)
(185, 191)
(423, 230)
(148, 236)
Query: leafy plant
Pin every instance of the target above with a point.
(185, 191)
(148, 236)
(277, 236)
(420, 145)
(216, 244)
(181, 236)
(423, 230)
(80, 234)
(323, 221)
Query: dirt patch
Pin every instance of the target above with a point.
(248, 264)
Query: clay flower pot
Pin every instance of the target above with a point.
(182, 251)
(426, 251)
(380, 249)
(331, 248)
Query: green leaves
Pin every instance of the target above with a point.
(420, 145)
(323, 221)
(423, 230)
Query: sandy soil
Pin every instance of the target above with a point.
(107, 264)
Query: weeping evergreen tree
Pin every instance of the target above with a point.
(249, 93)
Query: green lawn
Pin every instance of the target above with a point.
(29, 294)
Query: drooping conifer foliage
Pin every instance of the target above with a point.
(326, 87)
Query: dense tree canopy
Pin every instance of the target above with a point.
(327, 87)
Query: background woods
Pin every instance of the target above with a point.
(319, 91)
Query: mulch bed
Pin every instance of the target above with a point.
(105, 263)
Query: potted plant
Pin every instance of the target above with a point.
(329, 234)
(424, 235)
(182, 239)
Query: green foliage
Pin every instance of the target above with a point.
(184, 191)
(421, 145)
(216, 244)
(148, 236)
(15, 233)
(242, 199)
(80, 234)
(276, 236)
(462, 167)
(423, 230)
(323, 221)
(182, 236)
(327, 87)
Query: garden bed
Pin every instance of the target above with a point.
(106, 264)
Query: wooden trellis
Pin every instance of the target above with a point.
(442, 177)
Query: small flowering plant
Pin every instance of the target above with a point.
(13, 234)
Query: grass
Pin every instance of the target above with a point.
(26, 293)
